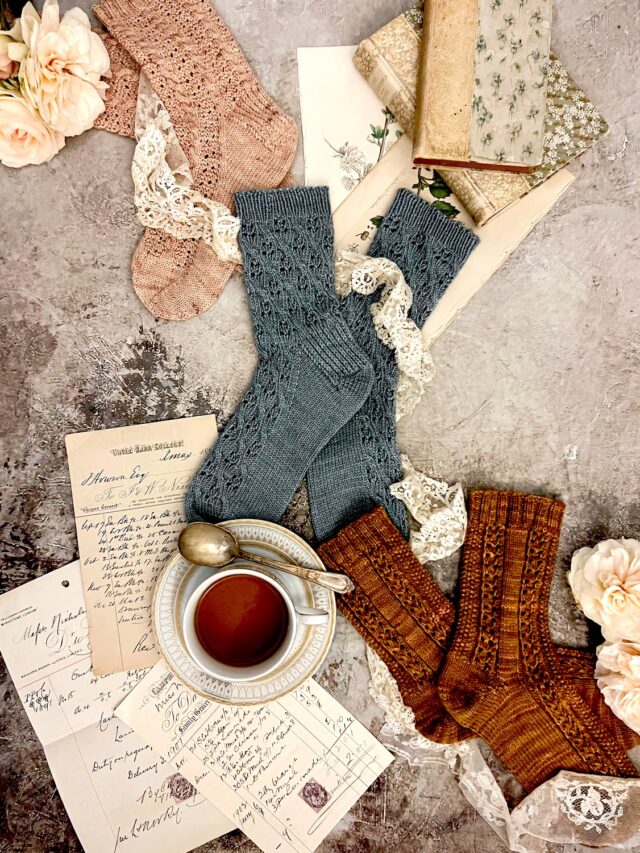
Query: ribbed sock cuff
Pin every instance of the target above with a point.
(299, 202)
(514, 509)
(417, 214)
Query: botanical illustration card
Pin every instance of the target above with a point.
(285, 773)
(347, 130)
(119, 793)
(128, 487)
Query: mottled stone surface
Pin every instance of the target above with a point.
(538, 383)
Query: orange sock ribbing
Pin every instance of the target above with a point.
(401, 613)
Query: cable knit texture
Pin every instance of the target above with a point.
(404, 616)
(400, 611)
(354, 472)
(501, 677)
(311, 375)
(233, 135)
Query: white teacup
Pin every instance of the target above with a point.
(297, 614)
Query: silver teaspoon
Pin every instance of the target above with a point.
(210, 545)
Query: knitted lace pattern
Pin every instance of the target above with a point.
(234, 136)
(353, 473)
(311, 375)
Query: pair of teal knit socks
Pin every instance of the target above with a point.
(322, 400)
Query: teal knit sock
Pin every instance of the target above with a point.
(353, 473)
(311, 377)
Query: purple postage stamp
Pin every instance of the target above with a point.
(315, 795)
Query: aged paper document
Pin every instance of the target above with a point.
(120, 794)
(128, 488)
(285, 773)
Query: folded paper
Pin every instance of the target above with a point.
(119, 793)
(128, 487)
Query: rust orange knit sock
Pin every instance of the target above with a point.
(502, 677)
(233, 135)
(405, 617)
(401, 613)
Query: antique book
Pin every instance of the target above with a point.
(482, 84)
(389, 61)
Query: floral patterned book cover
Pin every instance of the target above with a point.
(389, 61)
(482, 84)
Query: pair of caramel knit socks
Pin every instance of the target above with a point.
(233, 135)
(494, 671)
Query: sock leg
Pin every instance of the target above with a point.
(400, 611)
(354, 472)
(233, 135)
(311, 376)
(501, 677)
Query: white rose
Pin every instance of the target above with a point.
(61, 74)
(12, 52)
(605, 582)
(8, 66)
(24, 138)
(618, 677)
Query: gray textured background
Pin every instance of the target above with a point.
(537, 387)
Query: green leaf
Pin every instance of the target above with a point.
(439, 190)
(446, 208)
(376, 220)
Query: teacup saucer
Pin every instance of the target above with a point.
(311, 645)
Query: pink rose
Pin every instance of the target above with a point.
(24, 138)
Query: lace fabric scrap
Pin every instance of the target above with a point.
(437, 510)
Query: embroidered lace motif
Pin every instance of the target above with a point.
(163, 186)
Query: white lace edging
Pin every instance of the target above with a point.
(438, 512)
(163, 186)
(390, 315)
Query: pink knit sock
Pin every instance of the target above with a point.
(233, 135)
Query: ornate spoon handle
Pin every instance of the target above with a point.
(329, 580)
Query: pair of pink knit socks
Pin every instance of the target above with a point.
(233, 135)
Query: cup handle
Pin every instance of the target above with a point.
(311, 615)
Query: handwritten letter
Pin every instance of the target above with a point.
(120, 794)
(128, 489)
(285, 773)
